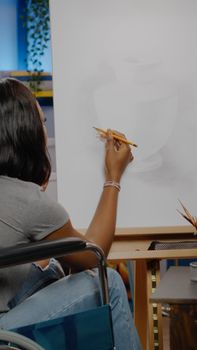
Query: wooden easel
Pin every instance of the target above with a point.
(133, 244)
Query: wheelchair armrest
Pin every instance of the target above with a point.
(29, 252)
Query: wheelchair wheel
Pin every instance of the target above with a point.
(14, 341)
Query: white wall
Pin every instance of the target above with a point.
(8, 35)
(129, 65)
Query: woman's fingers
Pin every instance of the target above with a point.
(118, 133)
(110, 136)
(118, 145)
(131, 157)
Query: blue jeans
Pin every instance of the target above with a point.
(37, 279)
(75, 293)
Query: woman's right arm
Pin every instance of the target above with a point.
(102, 227)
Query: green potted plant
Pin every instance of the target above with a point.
(37, 22)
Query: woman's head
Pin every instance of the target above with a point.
(23, 151)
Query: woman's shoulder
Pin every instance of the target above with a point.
(25, 192)
(43, 217)
(38, 213)
(19, 188)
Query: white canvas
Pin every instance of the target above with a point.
(129, 65)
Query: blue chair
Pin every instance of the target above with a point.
(87, 330)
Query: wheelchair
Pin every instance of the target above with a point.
(87, 330)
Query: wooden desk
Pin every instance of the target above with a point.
(133, 244)
(175, 288)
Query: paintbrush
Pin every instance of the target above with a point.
(187, 216)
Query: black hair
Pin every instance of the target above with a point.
(23, 150)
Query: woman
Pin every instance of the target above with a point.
(27, 214)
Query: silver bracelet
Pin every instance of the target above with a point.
(113, 184)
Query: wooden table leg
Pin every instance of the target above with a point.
(140, 301)
(155, 336)
(147, 316)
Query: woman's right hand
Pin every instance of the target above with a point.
(117, 156)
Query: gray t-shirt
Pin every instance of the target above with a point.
(26, 214)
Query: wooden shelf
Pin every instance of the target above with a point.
(46, 93)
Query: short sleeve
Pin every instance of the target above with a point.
(42, 217)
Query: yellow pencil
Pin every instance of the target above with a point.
(117, 137)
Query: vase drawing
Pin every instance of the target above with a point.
(143, 104)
